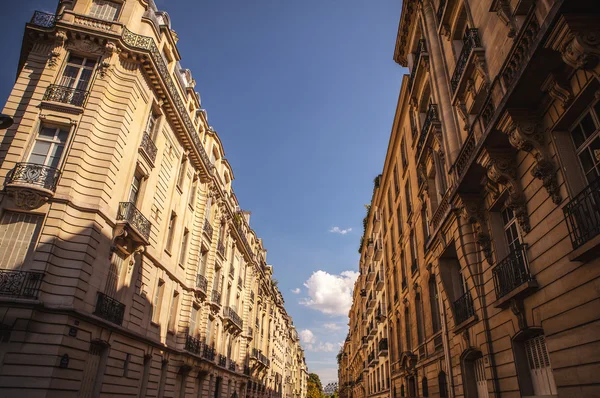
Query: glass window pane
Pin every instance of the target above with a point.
(577, 136)
(74, 59)
(585, 158)
(69, 76)
(86, 74)
(588, 125)
(41, 148)
(90, 63)
(63, 135)
(37, 159)
(47, 132)
(54, 160)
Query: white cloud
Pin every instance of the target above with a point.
(330, 294)
(321, 347)
(338, 230)
(296, 290)
(332, 326)
(307, 337)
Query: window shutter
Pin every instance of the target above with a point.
(17, 235)
(539, 366)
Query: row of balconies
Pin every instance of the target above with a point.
(199, 347)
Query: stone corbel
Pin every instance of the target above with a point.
(473, 212)
(107, 58)
(516, 306)
(577, 38)
(502, 9)
(558, 89)
(501, 170)
(463, 113)
(526, 134)
(54, 55)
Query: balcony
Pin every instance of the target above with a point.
(260, 358)
(370, 247)
(32, 184)
(43, 20)
(20, 284)
(512, 277)
(148, 148)
(133, 220)
(469, 78)
(232, 366)
(222, 360)
(378, 249)
(110, 309)
(582, 214)
(379, 281)
(215, 298)
(370, 274)
(208, 229)
(65, 95)
(193, 345)
(221, 248)
(383, 347)
(414, 266)
(420, 56)
(201, 284)
(463, 309)
(208, 353)
(233, 318)
(432, 120)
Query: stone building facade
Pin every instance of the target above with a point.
(488, 203)
(126, 265)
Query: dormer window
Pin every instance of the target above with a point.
(104, 9)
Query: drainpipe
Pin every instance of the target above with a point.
(486, 322)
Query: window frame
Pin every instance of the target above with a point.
(53, 142)
(115, 18)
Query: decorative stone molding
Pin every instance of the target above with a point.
(501, 169)
(28, 199)
(473, 211)
(516, 306)
(577, 38)
(558, 90)
(502, 9)
(525, 133)
(110, 49)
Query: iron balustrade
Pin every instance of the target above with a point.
(470, 41)
(201, 283)
(229, 313)
(38, 175)
(511, 272)
(463, 308)
(440, 11)
(109, 309)
(146, 43)
(129, 213)
(232, 365)
(421, 48)
(65, 95)
(216, 297)
(221, 248)
(383, 345)
(222, 360)
(208, 229)
(432, 116)
(43, 19)
(208, 352)
(582, 214)
(238, 227)
(21, 284)
(149, 147)
(194, 345)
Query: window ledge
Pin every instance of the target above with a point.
(588, 251)
(61, 107)
(518, 292)
(458, 328)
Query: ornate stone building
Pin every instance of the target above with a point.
(488, 203)
(126, 265)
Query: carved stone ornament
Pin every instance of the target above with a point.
(525, 133)
(502, 9)
(54, 54)
(107, 59)
(28, 199)
(85, 46)
(558, 89)
(473, 212)
(516, 306)
(577, 38)
(501, 170)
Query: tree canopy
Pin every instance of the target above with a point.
(314, 387)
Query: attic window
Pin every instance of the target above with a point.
(106, 10)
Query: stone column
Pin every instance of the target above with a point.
(440, 83)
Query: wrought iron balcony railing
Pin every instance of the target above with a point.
(194, 345)
(582, 214)
(208, 229)
(148, 146)
(216, 297)
(109, 309)
(129, 213)
(463, 308)
(230, 314)
(65, 95)
(232, 365)
(221, 248)
(201, 283)
(470, 41)
(432, 116)
(208, 352)
(383, 345)
(511, 272)
(38, 175)
(222, 360)
(43, 19)
(421, 48)
(21, 284)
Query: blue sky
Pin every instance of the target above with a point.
(302, 94)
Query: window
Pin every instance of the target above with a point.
(389, 198)
(18, 234)
(184, 246)
(408, 198)
(203, 261)
(152, 126)
(399, 220)
(403, 151)
(407, 329)
(157, 302)
(78, 72)
(443, 385)
(173, 312)
(182, 172)
(171, 231)
(134, 190)
(145, 375)
(425, 220)
(103, 9)
(193, 193)
(194, 322)
(511, 232)
(434, 305)
(420, 323)
(538, 361)
(209, 326)
(49, 146)
(396, 181)
(114, 274)
(413, 249)
(586, 138)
